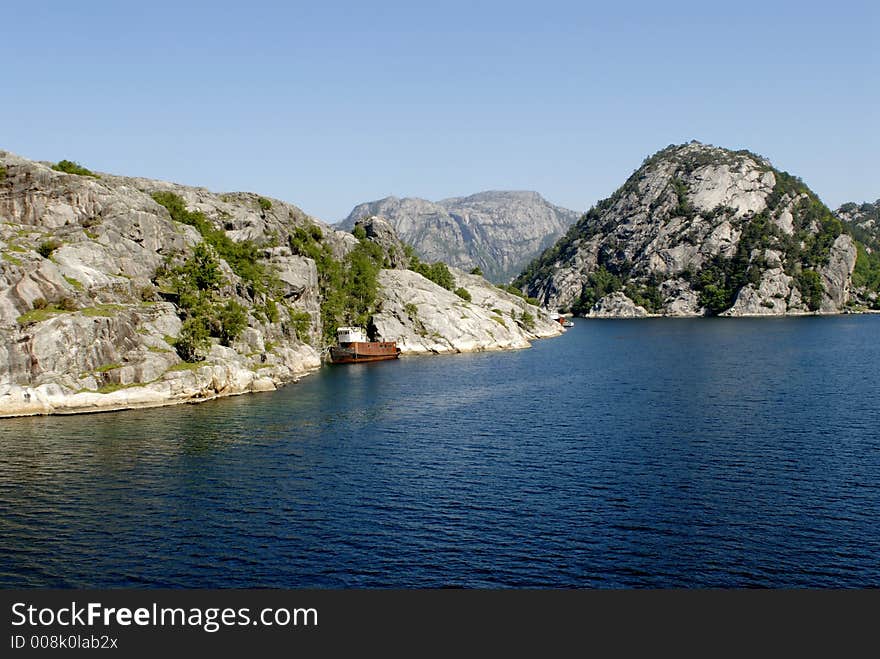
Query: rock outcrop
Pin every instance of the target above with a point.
(426, 318)
(498, 232)
(863, 222)
(864, 219)
(700, 230)
(616, 305)
(107, 281)
(85, 322)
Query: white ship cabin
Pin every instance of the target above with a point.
(351, 335)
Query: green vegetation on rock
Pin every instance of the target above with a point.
(241, 256)
(71, 167)
(205, 314)
(463, 293)
(46, 247)
(599, 284)
(437, 272)
(513, 290)
(606, 232)
(867, 271)
(349, 288)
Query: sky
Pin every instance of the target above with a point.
(329, 104)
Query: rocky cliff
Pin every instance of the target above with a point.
(425, 318)
(498, 232)
(700, 230)
(863, 222)
(123, 292)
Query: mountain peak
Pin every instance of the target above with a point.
(700, 229)
(497, 231)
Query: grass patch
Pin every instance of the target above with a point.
(102, 310)
(186, 366)
(39, 315)
(11, 259)
(499, 320)
(107, 367)
(74, 282)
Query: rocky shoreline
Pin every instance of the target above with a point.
(102, 278)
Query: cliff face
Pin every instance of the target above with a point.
(106, 282)
(700, 230)
(863, 222)
(469, 315)
(499, 232)
(87, 322)
(425, 318)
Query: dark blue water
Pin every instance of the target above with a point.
(654, 453)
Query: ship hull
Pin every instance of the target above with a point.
(352, 353)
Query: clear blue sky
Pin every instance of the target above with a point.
(329, 104)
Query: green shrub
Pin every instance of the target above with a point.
(476, 270)
(264, 203)
(527, 320)
(809, 282)
(232, 319)
(194, 340)
(242, 256)
(201, 271)
(437, 272)
(302, 325)
(307, 242)
(40, 303)
(67, 304)
(2, 172)
(599, 284)
(270, 310)
(867, 270)
(349, 288)
(513, 290)
(70, 167)
(463, 294)
(645, 295)
(46, 248)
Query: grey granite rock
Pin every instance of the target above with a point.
(497, 231)
(685, 213)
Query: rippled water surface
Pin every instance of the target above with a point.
(625, 453)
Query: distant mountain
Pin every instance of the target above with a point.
(700, 230)
(497, 231)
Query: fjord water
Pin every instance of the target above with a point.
(649, 453)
